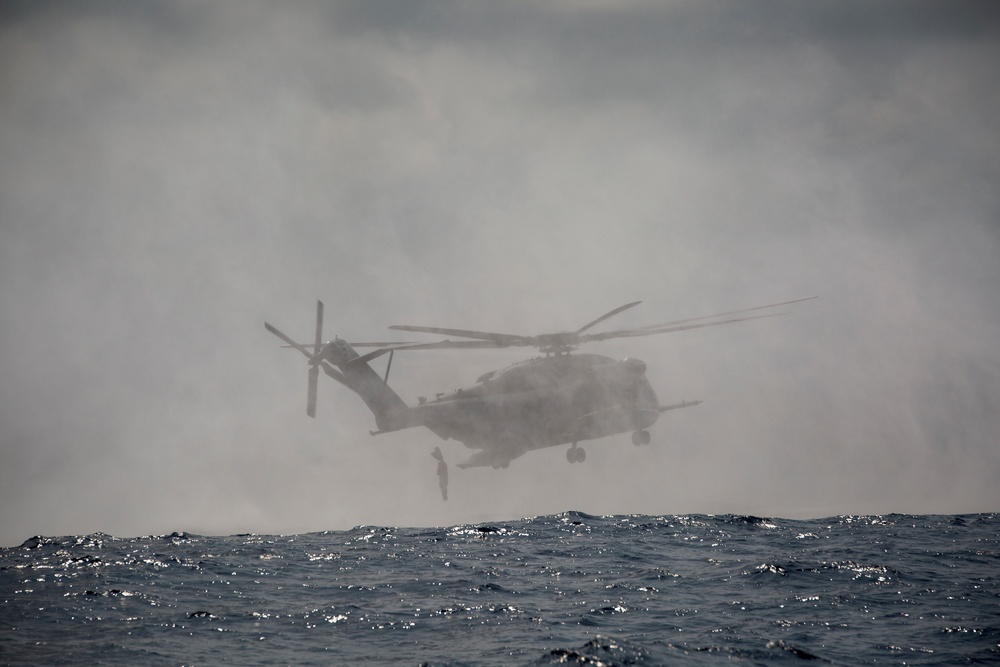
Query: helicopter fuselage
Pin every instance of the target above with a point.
(543, 402)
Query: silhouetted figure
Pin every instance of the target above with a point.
(442, 472)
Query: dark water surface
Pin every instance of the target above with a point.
(563, 589)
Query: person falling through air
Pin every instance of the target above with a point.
(442, 472)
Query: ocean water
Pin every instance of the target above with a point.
(562, 589)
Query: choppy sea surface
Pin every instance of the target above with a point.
(562, 589)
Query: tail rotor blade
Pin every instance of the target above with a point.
(313, 382)
(288, 340)
(315, 360)
(319, 328)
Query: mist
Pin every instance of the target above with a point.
(173, 174)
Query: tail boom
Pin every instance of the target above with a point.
(341, 362)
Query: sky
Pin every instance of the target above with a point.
(173, 174)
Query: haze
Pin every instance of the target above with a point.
(174, 173)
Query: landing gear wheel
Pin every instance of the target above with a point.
(640, 438)
(576, 454)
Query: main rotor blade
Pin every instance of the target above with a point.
(288, 340)
(390, 343)
(569, 340)
(383, 343)
(501, 339)
(634, 333)
(506, 340)
(607, 315)
(319, 328)
(440, 345)
(729, 312)
(452, 345)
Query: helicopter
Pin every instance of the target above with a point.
(558, 398)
